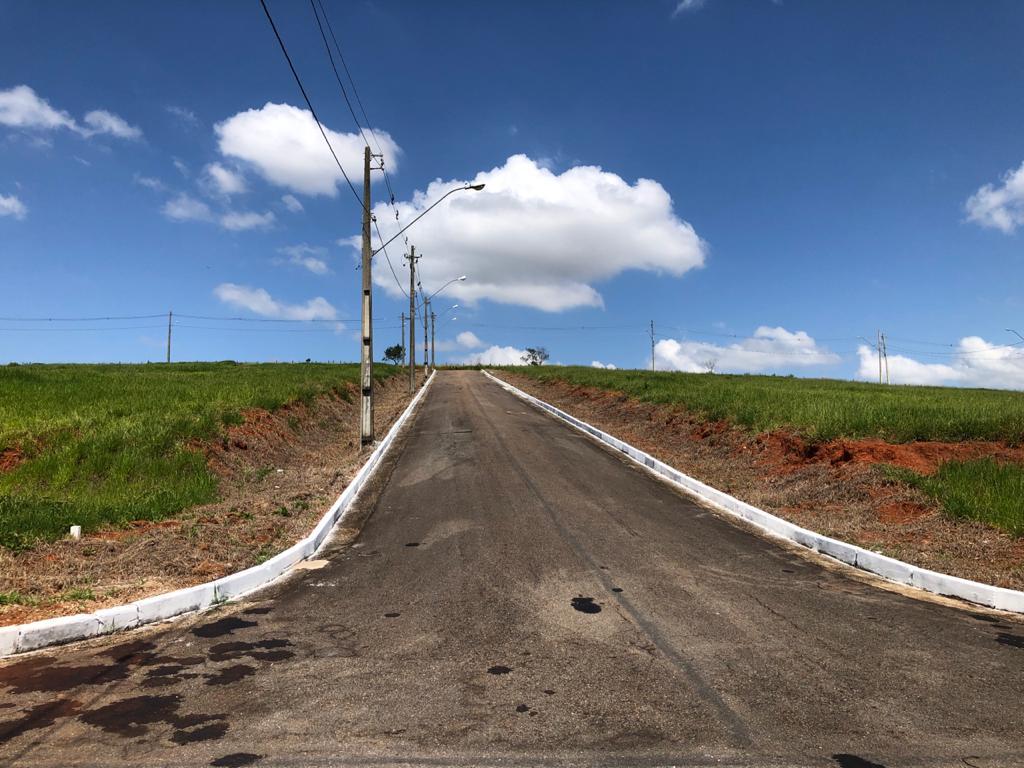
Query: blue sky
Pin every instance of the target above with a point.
(814, 172)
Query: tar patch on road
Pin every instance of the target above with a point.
(137, 664)
(499, 669)
(853, 761)
(236, 760)
(585, 605)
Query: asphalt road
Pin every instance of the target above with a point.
(521, 596)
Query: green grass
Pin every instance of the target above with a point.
(108, 443)
(819, 409)
(983, 490)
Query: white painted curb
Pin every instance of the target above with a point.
(886, 567)
(64, 629)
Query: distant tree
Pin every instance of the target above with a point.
(709, 364)
(535, 356)
(395, 354)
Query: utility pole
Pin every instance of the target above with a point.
(170, 315)
(426, 358)
(885, 357)
(652, 345)
(412, 319)
(366, 360)
(403, 339)
(433, 348)
(878, 346)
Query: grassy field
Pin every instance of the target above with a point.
(106, 443)
(820, 409)
(823, 409)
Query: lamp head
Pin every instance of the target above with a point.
(462, 278)
(475, 187)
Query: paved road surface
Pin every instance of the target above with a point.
(521, 596)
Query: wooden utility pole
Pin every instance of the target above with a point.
(433, 348)
(885, 357)
(412, 319)
(366, 360)
(170, 315)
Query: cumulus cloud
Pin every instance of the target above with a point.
(101, 121)
(237, 221)
(469, 340)
(308, 257)
(540, 239)
(974, 363)
(284, 145)
(258, 301)
(606, 366)
(495, 355)
(10, 205)
(291, 202)
(999, 207)
(187, 208)
(21, 107)
(223, 180)
(148, 182)
(768, 349)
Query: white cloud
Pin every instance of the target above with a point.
(974, 363)
(149, 182)
(599, 364)
(182, 168)
(284, 145)
(496, 355)
(260, 302)
(10, 205)
(101, 121)
(469, 340)
(187, 116)
(223, 180)
(21, 107)
(291, 202)
(540, 239)
(307, 256)
(186, 208)
(768, 349)
(237, 221)
(687, 6)
(999, 207)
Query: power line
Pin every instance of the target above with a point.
(309, 104)
(77, 319)
(388, 258)
(359, 101)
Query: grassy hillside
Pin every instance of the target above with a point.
(823, 409)
(820, 409)
(95, 444)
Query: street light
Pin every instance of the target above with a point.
(368, 252)
(428, 317)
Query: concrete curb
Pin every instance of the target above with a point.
(65, 629)
(886, 567)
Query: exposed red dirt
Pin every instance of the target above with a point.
(782, 449)
(838, 488)
(10, 458)
(279, 472)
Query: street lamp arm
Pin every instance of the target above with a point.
(474, 187)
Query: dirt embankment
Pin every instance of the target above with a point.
(837, 488)
(279, 473)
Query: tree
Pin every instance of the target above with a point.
(535, 356)
(709, 364)
(395, 354)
